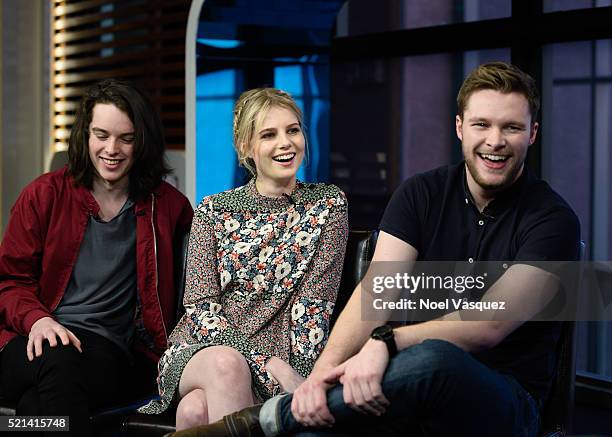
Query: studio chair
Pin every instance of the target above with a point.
(558, 412)
(109, 420)
(359, 250)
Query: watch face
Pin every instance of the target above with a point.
(382, 332)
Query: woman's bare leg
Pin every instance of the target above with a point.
(221, 380)
(192, 410)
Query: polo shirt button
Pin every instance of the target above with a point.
(481, 222)
(470, 260)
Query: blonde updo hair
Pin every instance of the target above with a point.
(251, 108)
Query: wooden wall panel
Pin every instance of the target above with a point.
(137, 40)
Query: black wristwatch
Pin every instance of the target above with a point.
(385, 333)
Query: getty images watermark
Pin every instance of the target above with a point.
(492, 290)
(409, 283)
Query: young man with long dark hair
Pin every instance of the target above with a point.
(86, 262)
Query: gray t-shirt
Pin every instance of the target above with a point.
(101, 294)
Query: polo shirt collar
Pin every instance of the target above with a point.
(504, 199)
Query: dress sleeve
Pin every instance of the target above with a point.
(314, 301)
(20, 260)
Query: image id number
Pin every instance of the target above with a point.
(34, 423)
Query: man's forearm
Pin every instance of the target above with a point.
(349, 334)
(525, 289)
(471, 336)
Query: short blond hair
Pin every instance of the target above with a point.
(250, 109)
(502, 77)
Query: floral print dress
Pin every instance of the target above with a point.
(262, 277)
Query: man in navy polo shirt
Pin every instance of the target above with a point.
(448, 376)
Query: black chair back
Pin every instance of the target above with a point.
(558, 413)
(359, 250)
(559, 409)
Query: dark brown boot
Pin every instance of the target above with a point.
(243, 423)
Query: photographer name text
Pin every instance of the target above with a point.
(434, 304)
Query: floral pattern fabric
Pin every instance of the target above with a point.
(262, 277)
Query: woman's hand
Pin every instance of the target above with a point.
(286, 376)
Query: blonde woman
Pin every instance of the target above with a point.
(263, 270)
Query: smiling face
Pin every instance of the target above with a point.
(495, 132)
(277, 148)
(111, 146)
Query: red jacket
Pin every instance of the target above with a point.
(41, 245)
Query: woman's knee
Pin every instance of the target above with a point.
(229, 366)
(192, 410)
(217, 366)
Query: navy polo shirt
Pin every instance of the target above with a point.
(435, 213)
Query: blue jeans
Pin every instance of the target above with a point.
(435, 389)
